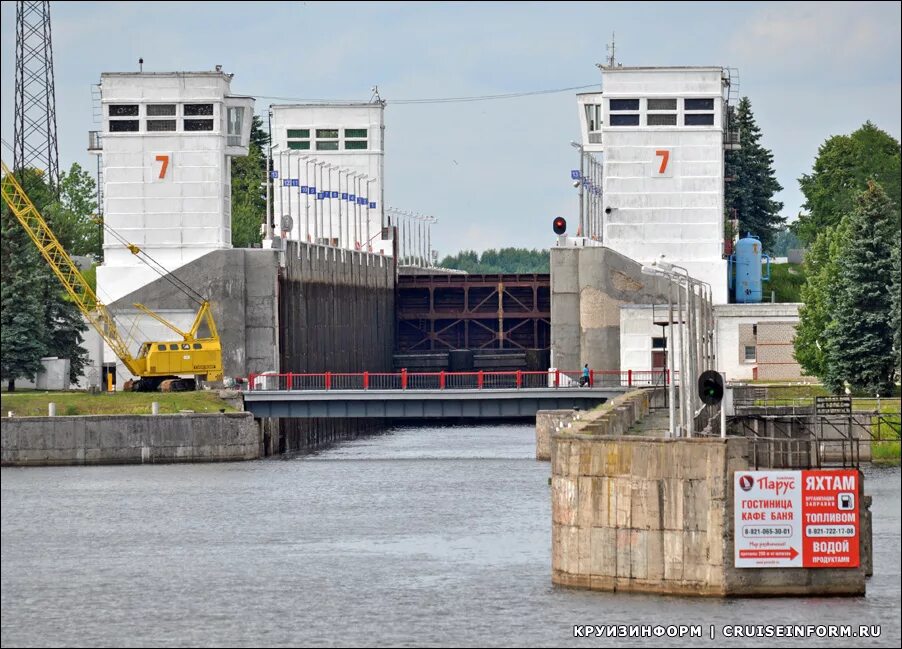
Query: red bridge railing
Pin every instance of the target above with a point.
(478, 380)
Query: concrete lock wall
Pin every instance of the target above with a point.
(336, 314)
(588, 285)
(613, 417)
(241, 285)
(656, 515)
(129, 439)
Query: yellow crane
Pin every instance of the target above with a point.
(155, 360)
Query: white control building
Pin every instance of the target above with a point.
(661, 135)
(165, 143)
(329, 159)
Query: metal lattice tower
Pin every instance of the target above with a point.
(35, 128)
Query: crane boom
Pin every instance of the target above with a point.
(190, 355)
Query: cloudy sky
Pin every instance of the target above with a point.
(494, 172)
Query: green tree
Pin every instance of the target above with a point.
(504, 260)
(22, 337)
(42, 321)
(821, 270)
(754, 183)
(841, 172)
(78, 200)
(896, 291)
(859, 339)
(249, 189)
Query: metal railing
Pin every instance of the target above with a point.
(478, 380)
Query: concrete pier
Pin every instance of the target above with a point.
(656, 515)
(130, 439)
(613, 417)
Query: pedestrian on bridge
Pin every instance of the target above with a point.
(584, 379)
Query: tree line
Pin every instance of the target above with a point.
(37, 319)
(503, 260)
(849, 327)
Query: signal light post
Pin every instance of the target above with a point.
(559, 225)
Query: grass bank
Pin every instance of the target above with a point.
(34, 404)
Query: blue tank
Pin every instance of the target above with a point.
(745, 264)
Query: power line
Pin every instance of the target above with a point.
(435, 100)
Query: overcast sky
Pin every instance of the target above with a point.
(494, 172)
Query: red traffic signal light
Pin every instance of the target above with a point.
(559, 225)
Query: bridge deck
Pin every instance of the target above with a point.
(448, 403)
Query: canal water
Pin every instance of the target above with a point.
(424, 536)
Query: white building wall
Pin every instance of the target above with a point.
(334, 221)
(637, 329)
(168, 192)
(674, 209)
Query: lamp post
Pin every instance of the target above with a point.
(701, 329)
(672, 280)
(367, 198)
(582, 162)
(305, 192)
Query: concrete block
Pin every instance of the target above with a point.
(624, 552)
(568, 545)
(586, 452)
(584, 546)
(560, 452)
(9, 437)
(695, 556)
(696, 505)
(33, 435)
(639, 554)
(564, 266)
(604, 502)
(585, 507)
(564, 500)
(645, 499)
(623, 488)
(656, 465)
(674, 500)
(576, 450)
(603, 548)
(655, 555)
(673, 555)
(716, 540)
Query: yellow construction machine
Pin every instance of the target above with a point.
(156, 361)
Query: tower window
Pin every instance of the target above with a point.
(698, 119)
(327, 139)
(192, 110)
(122, 125)
(123, 110)
(624, 104)
(156, 125)
(625, 119)
(198, 124)
(698, 104)
(161, 110)
(662, 104)
(661, 119)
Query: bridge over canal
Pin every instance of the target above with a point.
(433, 394)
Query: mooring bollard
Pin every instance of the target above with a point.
(51, 409)
(155, 407)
